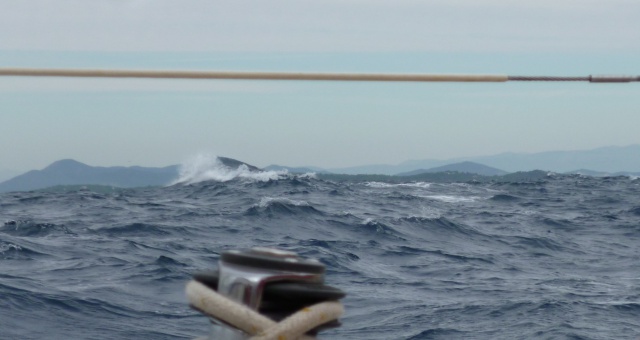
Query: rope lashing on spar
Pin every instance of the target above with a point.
(395, 77)
(253, 323)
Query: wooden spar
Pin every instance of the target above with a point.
(29, 72)
(391, 77)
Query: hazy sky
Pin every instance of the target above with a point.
(161, 122)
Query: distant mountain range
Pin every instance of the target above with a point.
(71, 172)
(597, 162)
(68, 172)
(295, 170)
(464, 167)
(609, 160)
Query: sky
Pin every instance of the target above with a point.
(105, 122)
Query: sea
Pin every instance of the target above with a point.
(551, 258)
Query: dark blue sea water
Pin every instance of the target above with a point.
(557, 258)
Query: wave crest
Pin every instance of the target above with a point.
(421, 185)
(203, 167)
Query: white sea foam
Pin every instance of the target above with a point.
(378, 185)
(368, 220)
(451, 199)
(422, 185)
(429, 212)
(309, 175)
(203, 167)
(8, 246)
(266, 201)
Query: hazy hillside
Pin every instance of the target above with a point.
(611, 159)
(464, 167)
(607, 159)
(71, 172)
(295, 170)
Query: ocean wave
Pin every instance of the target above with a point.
(504, 198)
(32, 229)
(140, 230)
(440, 222)
(436, 333)
(373, 227)
(451, 198)
(635, 211)
(267, 201)
(282, 206)
(15, 251)
(538, 243)
(420, 185)
(203, 168)
(5, 246)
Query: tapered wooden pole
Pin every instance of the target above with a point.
(397, 77)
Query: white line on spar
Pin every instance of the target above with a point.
(390, 77)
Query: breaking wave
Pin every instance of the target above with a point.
(202, 167)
